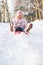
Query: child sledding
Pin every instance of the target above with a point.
(19, 23)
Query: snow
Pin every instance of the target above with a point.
(22, 49)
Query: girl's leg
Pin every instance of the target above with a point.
(11, 26)
(29, 27)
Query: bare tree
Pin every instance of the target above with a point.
(18, 3)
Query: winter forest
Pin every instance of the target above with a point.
(33, 9)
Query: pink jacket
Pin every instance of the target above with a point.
(20, 22)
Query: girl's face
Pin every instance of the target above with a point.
(20, 14)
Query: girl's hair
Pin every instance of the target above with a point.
(19, 12)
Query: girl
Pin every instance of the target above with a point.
(19, 23)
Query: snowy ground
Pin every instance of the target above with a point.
(21, 49)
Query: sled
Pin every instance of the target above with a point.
(18, 32)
